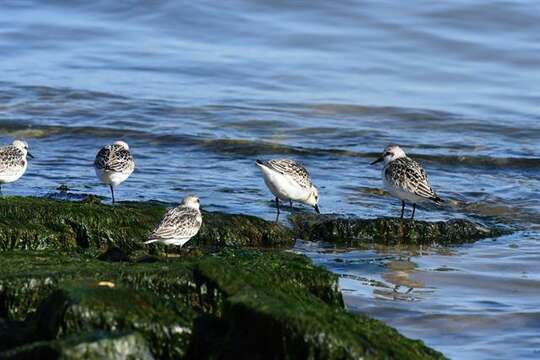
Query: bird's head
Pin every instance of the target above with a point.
(23, 146)
(122, 144)
(192, 202)
(313, 198)
(390, 153)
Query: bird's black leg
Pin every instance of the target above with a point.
(112, 193)
(413, 210)
(402, 209)
(290, 202)
(277, 209)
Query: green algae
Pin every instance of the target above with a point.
(85, 306)
(91, 227)
(76, 282)
(230, 304)
(26, 278)
(261, 308)
(222, 229)
(391, 231)
(40, 224)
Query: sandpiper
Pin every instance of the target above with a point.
(13, 161)
(179, 224)
(405, 179)
(289, 180)
(114, 164)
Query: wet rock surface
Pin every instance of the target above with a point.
(229, 304)
(40, 223)
(99, 345)
(89, 226)
(77, 282)
(389, 231)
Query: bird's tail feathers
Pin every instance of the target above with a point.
(149, 241)
(437, 200)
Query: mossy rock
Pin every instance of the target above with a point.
(231, 304)
(92, 346)
(221, 229)
(87, 306)
(262, 310)
(390, 231)
(27, 278)
(40, 224)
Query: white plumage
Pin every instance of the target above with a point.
(13, 161)
(289, 181)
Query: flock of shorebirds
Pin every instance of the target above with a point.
(288, 181)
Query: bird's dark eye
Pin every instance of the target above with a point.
(388, 153)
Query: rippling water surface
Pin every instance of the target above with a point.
(202, 89)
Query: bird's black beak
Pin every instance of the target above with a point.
(378, 160)
(29, 155)
(317, 209)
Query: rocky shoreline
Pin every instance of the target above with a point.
(77, 282)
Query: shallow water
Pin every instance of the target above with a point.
(202, 90)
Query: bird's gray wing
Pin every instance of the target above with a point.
(410, 176)
(292, 169)
(179, 222)
(114, 158)
(11, 157)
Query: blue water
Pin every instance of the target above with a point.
(201, 89)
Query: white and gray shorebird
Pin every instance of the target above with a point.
(13, 161)
(289, 181)
(114, 164)
(405, 179)
(179, 224)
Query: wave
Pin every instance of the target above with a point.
(245, 147)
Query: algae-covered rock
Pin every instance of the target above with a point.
(74, 309)
(331, 228)
(261, 312)
(230, 304)
(27, 278)
(241, 230)
(39, 224)
(93, 346)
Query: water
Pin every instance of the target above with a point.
(200, 90)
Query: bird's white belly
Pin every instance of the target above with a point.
(176, 241)
(402, 194)
(112, 177)
(12, 174)
(282, 187)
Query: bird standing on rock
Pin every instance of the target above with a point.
(289, 180)
(405, 179)
(179, 224)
